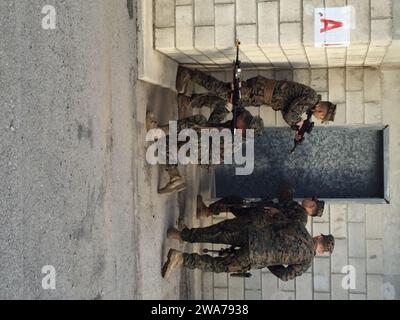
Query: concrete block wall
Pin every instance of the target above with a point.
(358, 227)
(274, 34)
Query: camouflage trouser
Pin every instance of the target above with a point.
(227, 204)
(229, 232)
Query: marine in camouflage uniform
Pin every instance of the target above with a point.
(234, 204)
(264, 237)
(291, 98)
(217, 120)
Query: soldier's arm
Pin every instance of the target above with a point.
(293, 113)
(290, 272)
(217, 115)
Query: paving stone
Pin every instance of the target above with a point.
(373, 113)
(360, 268)
(355, 107)
(208, 286)
(321, 274)
(302, 76)
(269, 286)
(304, 287)
(356, 212)
(246, 11)
(375, 256)
(375, 287)
(224, 26)
(357, 245)
(235, 288)
(337, 291)
(381, 8)
(381, 31)
(339, 257)
(338, 213)
(358, 296)
(290, 35)
(337, 80)
(319, 79)
(253, 295)
(220, 294)
(374, 218)
(204, 12)
(254, 282)
(360, 34)
(184, 27)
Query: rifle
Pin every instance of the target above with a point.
(237, 73)
(227, 252)
(307, 127)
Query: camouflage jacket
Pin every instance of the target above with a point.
(291, 98)
(282, 242)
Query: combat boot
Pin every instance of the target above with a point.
(174, 260)
(174, 234)
(183, 77)
(202, 211)
(175, 183)
(183, 105)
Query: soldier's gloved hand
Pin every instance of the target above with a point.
(229, 104)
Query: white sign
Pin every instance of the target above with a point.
(332, 27)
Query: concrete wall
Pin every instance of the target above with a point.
(273, 33)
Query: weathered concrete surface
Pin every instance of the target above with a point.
(66, 150)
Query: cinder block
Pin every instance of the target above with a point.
(204, 12)
(375, 256)
(373, 113)
(290, 10)
(358, 296)
(356, 240)
(290, 35)
(354, 78)
(269, 286)
(320, 227)
(381, 31)
(356, 212)
(322, 296)
(204, 37)
(360, 34)
(308, 20)
(225, 26)
(236, 288)
(268, 24)
(337, 291)
(319, 79)
(207, 286)
(220, 294)
(253, 295)
(164, 13)
(220, 280)
(335, 3)
(304, 287)
(248, 36)
(284, 295)
(246, 11)
(183, 2)
(254, 282)
(381, 8)
(337, 80)
(340, 117)
(360, 268)
(375, 287)
(286, 74)
(339, 220)
(339, 257)
(302, 76)
(355, 107)
(286, 285)
(184, 27)
(321, 275)
(372, 84)
(165, 39)
(375, 223)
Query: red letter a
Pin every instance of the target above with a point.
(330, 24)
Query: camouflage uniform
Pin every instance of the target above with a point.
(265, 240)
(197, 122)
(291, 98)
(234, 204)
